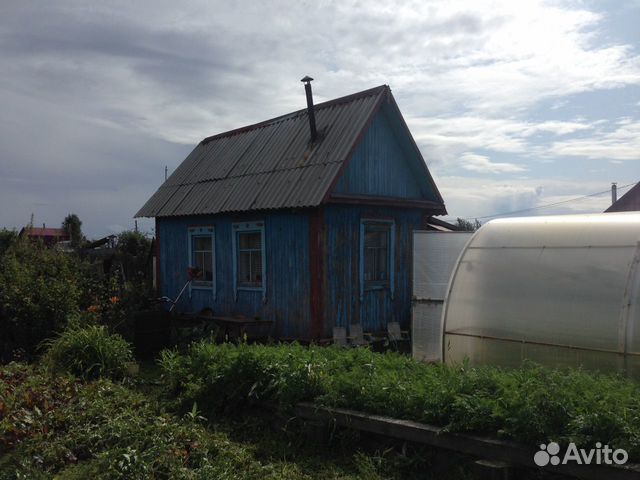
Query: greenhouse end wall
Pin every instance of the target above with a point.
(559, 290)
(434, 257)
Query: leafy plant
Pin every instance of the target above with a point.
(7, 239)
(530, 405)
(133, 252)
(39, 289)
(88, 352)
(73, 226)
(58, 427)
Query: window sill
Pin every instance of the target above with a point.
(202, 286)
(250, 289)
(376, 287)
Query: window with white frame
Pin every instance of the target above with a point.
(376, 254)
(249, 255)
(201, 256)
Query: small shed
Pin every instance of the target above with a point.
(304, 220)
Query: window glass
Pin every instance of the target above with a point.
(202, 257)
(376, 254)
(249, 259)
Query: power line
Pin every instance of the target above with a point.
(551, 204)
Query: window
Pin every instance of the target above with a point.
(376, 255)
(249, 259)
(249, 256)
(377, 243)
(201, 256)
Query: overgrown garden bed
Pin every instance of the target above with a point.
(57, 426)
(531, 405)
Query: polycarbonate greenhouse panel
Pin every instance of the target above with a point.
(434, 257)
(426, 331)
(559, 290)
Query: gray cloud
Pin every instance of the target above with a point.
(98, 97)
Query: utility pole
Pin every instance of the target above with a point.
(166, 169)
(614, 192)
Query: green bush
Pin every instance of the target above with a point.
(134, 253)
(530, 405)
(39, 289)
(88, 352)
(226, 376)
(7, 239)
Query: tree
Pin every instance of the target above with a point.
(467, 225)
(39, 288)
(73, 226)
(7, 238)
(133, 251)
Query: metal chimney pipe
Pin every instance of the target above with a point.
(614, 192)
(312, 116)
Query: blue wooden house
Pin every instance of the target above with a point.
(304, 220)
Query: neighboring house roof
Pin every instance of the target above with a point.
(272, 164)
(629, 202)
(45, 232)
(440, 225)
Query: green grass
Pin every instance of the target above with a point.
(56, 426)
(89, 352)
(529, 405)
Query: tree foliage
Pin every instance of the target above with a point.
(467, 225)
(7, 238)
(133, 252)
(73, 226)
(133, 243)
(39, 289)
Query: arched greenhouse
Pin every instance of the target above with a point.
(559, 290)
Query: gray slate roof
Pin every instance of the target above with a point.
(268, 165)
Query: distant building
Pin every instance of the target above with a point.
(629, 202)
(48, 236)
(304, 220)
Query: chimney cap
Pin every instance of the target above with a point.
(307, 79)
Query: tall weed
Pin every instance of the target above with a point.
(88, 352)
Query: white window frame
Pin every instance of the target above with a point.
(202, 231)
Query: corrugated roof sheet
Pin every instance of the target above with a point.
(629, 202)
(268, 165)
(45, 232)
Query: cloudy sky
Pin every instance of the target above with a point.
(513, 104)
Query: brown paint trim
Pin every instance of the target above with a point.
(316, 273)
(433, 207)
(158, 276)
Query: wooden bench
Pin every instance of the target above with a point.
(236, 326)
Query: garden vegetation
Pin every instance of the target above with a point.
(73, 413)
(42, 289)
(530, 405)
(59, 427)
(88, 352)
